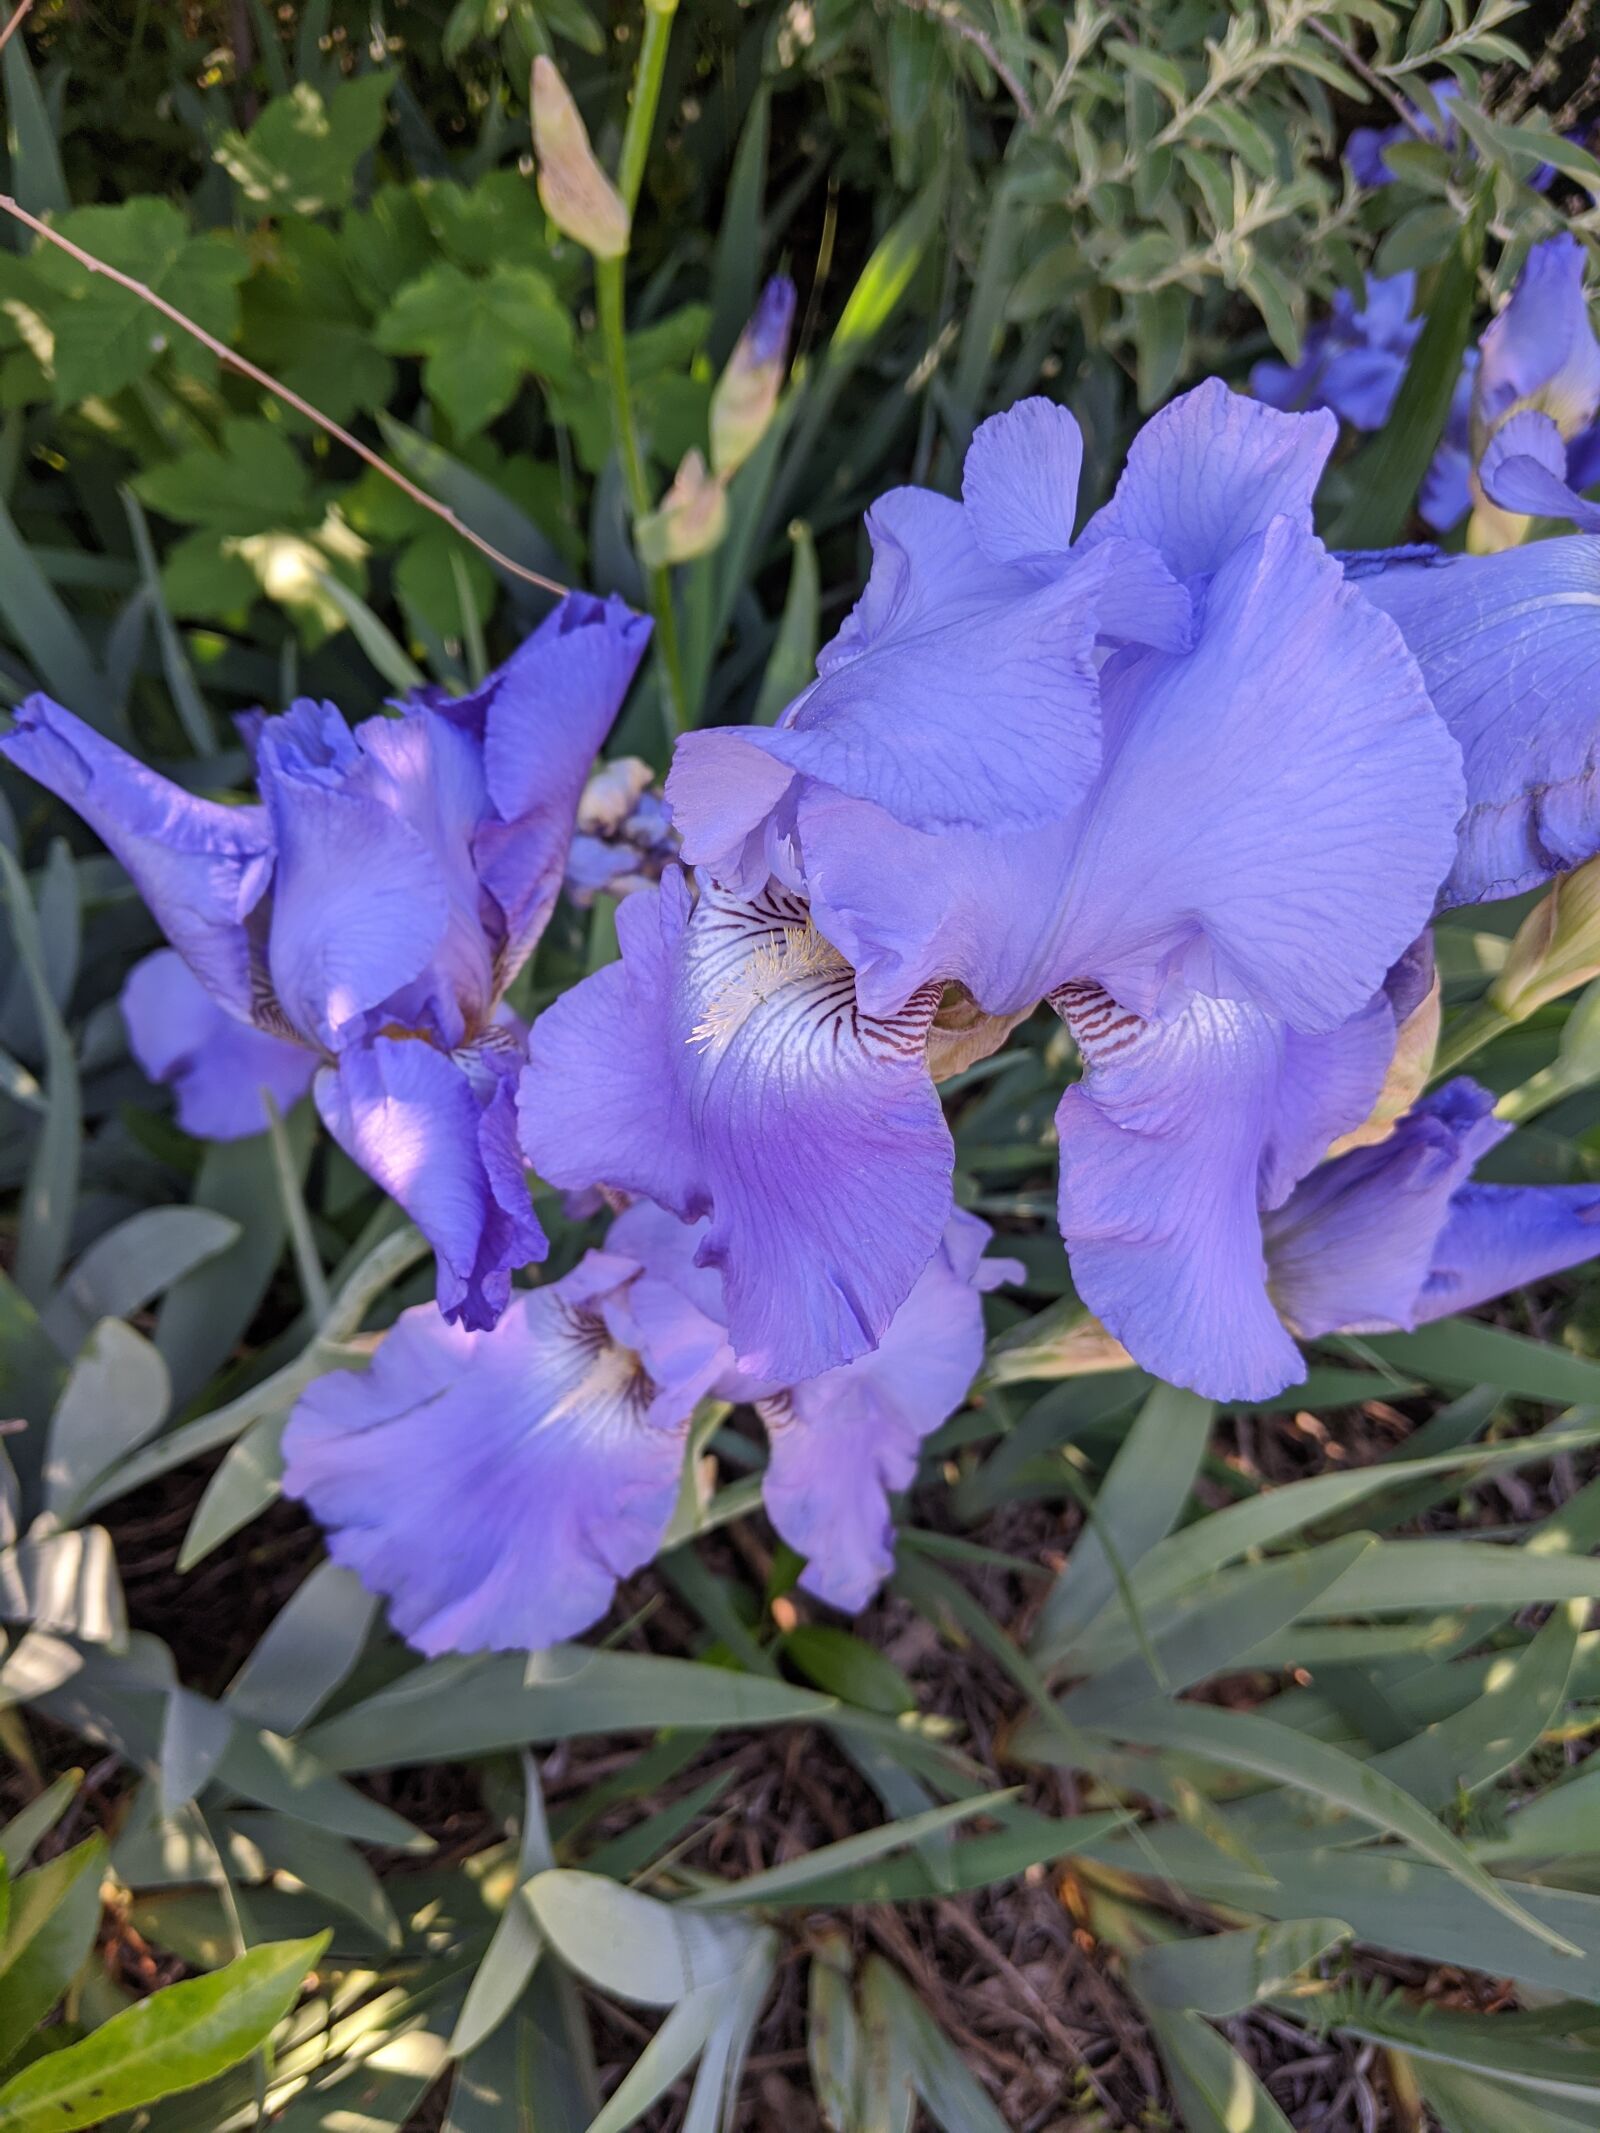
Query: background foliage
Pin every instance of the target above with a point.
(1320, 1771)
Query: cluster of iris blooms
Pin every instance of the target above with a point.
(1183, 777)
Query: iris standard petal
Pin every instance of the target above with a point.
(1294, 889)
(1161, 1155)
(983, 715)
(1210, 470)
(1019, 483)
(541, 719)
(1509, 646)
(726, 1068)
(496, 1485)
(201, 868)
(843, 1443)
(409, 1115)
(359, 901)
(217, 1065)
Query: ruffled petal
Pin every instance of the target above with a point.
(1294, 888)
(1161, 1156)
(983, 715)
(409, 1115)
(200, 867)
(428, 773)
(218, 1066)
(726, 1068)
(1524, 468)
(843, 1443)
(359, 901)
(1352, 1248)
(541, 719)
(1020, 483)
(1209, 471)
(1509, 646)
(494, 1486)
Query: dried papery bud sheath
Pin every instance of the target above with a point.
(1416, 1043)
(747, 392)
(1557, 947)
(690, 521)
(578, 197)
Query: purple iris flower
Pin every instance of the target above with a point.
(1174, 775)
(1352, 361)
(555, 1441)
(371, 909)
(1367, 149)
(1390, 1236)
(1523, 418)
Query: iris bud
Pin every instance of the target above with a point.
(690, 521)
(578, 197)
(1556, 949)
(747, 392)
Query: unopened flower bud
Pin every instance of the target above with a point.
(1066, 1341)
(1410, 1069)
(1557, 946)
(691, 519)
(578, 197)
(747, 392)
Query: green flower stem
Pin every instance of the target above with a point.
(609, 296)
(1479, 1026)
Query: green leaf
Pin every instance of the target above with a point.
(1027, 1839)
(675, 2045)
(177, 2038)
(300, 156)
(108, 338)
(939, 2074)
(304, 320)
(451, 1709)
(204, 1315)
(1242, 1740)
(1460, 1351)
(1224, 1973)
(50, 1192)
(256, 480)
(1466, 2102)
(1215, 2090)
(480, 337)
(1147, 1486)
(36, 174)
(131, 1265)
(631, 1944)
(1214, 1631)
(36, 1820)
(327, 1867)
(307, 1650)
(831, 1860)
(842, 1664)
(116, 1396)
(45, 632)
(54, 1913)
(793, 659)
(65, 1582)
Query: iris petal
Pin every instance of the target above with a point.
(201, 868)
(551, 1453)
(726, 1068)
(217, 1065)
